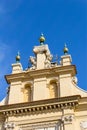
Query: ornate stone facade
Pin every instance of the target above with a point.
(44, 96)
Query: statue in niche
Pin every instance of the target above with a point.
(33, 62)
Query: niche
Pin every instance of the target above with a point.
(27, 93)
(53, 89)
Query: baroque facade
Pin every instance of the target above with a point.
(45, 96)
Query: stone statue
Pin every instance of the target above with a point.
(33, 62)
(48, 60)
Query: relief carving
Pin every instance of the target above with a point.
(75, 80)
(48, 61)
(83, 125)
(9, 125)
(67, 119)
(33, 62)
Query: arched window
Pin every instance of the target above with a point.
(27, 93)
(53, 89)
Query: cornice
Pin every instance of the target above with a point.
(82, 105)
(41, 73)
(40, 106)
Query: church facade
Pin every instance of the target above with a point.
(45, 96)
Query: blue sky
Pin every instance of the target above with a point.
(61, 21)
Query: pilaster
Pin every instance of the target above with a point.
(68, 119)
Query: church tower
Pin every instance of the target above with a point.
(45, 95)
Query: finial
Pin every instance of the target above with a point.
(42, 39)
(18, 57)
(65, 50)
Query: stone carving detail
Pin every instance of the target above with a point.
(83, 125)
(48, 60)
(75, 80)
(67, 119)
(9, 125)
(41, 49)
(33, 62)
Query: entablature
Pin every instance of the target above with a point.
(69, 102)
(31, 74)
(82, 105)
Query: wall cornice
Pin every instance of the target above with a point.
(41, 73)
(82, 105)
(68, 102)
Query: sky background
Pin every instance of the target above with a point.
(61, 21)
